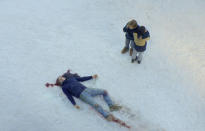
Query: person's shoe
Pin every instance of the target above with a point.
(138, 62)
(110, 118)
(115, 108)
(133, 60)
(131, 51)
(124, 50)
(136, 58)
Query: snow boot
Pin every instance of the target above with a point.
(124, 50)
(110, 118)
(131, 51)
(138, 62)
(115, 107)
(133, 60)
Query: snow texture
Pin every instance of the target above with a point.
(41, 39)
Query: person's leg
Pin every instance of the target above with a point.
(126, 48)
(95, 92)
(132, 44)
(127, 43)
(87, 98)
(131, 47)
(134, 55)
(139, 58)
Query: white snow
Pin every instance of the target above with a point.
(41, 39)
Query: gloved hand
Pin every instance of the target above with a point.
(77, 107)
(95, 76)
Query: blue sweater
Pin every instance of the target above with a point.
(129, 32)
(72, 86)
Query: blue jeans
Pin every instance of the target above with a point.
(129, 43)
(88, 94)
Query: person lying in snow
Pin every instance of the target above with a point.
(129, 28)
(71, 86)
(141, 36)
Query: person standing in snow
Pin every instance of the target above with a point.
(129, 28)
(141, 37)
(71, 86)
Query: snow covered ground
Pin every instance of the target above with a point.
(41, 39)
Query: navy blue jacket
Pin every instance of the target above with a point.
(129, 32)
(72, 86)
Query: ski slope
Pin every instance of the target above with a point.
(41, 39)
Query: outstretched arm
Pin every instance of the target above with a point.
(66, 75)
(146, 36)
(69, 97)
(86, 78)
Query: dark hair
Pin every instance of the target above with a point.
(58, 83)
(142, 30)
(75, 74)
(68, 74)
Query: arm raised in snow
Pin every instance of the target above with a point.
(146, 36)
(81, 79)
(87, 78)
(68, 74)
(69, 96)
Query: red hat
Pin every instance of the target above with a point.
(52, 85)
(57, 81)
